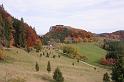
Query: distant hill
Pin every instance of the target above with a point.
(14, 32)
(63, 33)
(68, 34)
(117, 35)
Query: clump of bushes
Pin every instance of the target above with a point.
(72, 53)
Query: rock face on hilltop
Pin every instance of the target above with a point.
(14, 32)
(61, 33)
(117, 35)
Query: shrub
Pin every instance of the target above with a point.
(70, 51)
(2, 54)
(106, 78)
(73, 63)
(108, 61)
(54, 56)
(38, 46)
(28, 49)
(78, 60)
(59, 56)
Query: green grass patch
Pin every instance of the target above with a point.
(93, 52)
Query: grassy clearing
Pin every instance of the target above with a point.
(91, 51)
(22, 65)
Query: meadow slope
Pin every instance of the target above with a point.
(19, 66)
(91, 50)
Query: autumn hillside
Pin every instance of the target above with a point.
(63, 33)
(117, 35)
(14, 32)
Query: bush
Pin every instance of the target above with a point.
(108, 61)
(38, 46)
(59, 56)
(54, 56)
(70, 51)
(2, 54)
(28, 49)
(58, 75)
(106, 78)
(73, 63)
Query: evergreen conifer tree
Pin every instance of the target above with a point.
(37, 67)
(49, 67)
(58, 75)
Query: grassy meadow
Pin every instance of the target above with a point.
(19, 65)
(93, 52)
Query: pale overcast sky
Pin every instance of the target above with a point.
(92, 15)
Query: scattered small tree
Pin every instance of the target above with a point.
(59, 56)
(58, 75)
(47, 55)
(40, 55)
(43, 53)
(73, 63)
(37, 67)
(49, 67)
(54, 56)
(78, 60)
(106, 78)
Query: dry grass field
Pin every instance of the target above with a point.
(19, 66)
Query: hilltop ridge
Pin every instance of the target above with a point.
(68, 34)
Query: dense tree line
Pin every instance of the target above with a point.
(116, 51)
(118, 67)
(20, 37)
(14, 32)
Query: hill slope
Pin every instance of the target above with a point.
(20, 65)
